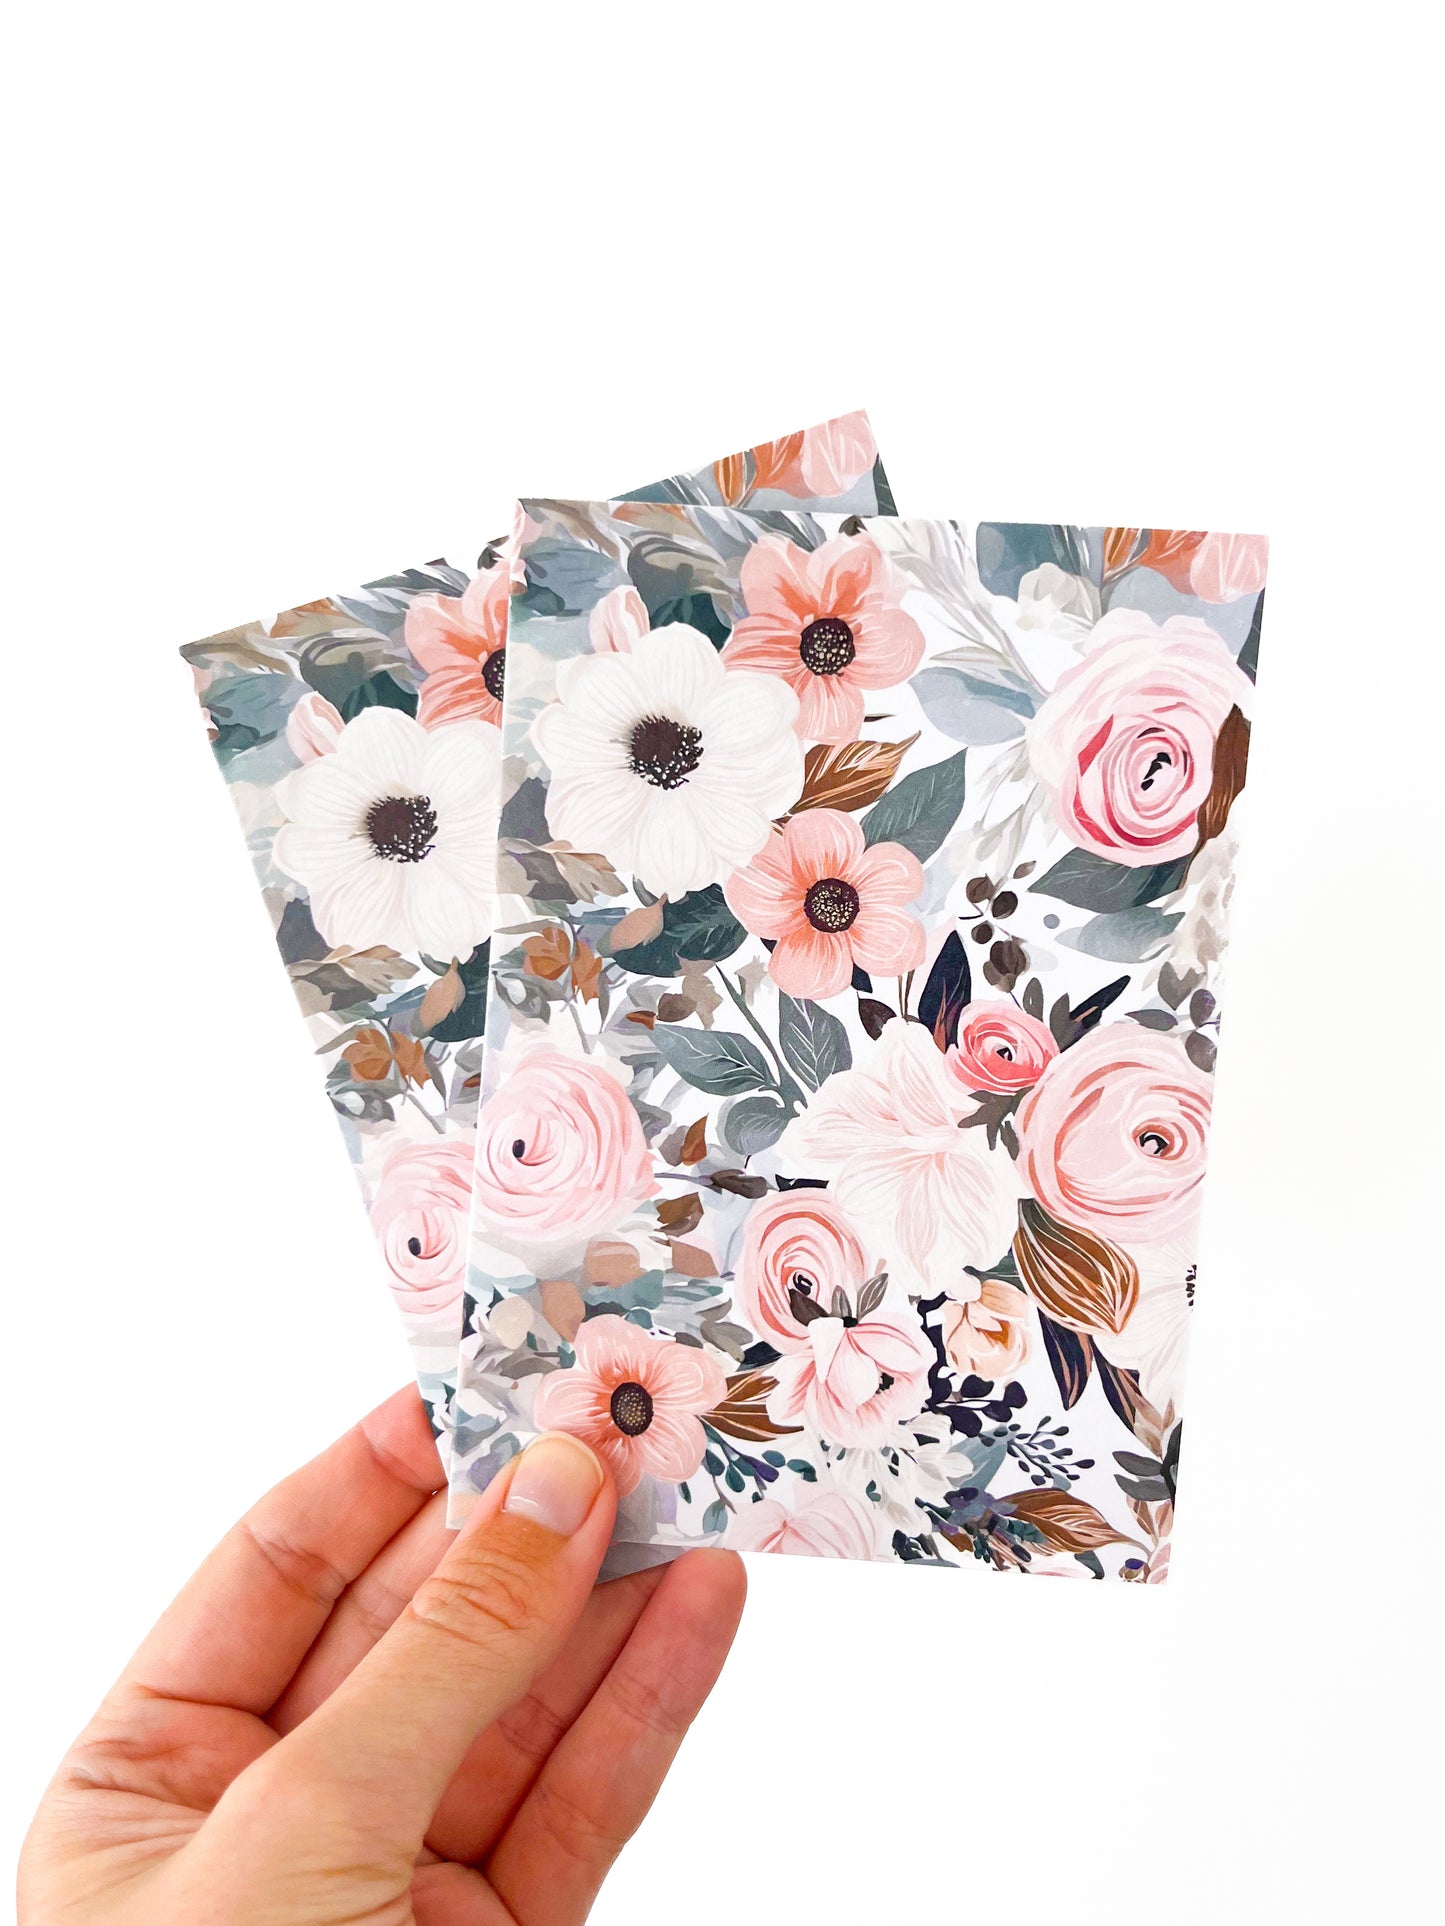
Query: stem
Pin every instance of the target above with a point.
(417, 1104)
(786, 1087)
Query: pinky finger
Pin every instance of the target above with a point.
(597, 1787)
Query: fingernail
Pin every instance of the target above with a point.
(555, 1482)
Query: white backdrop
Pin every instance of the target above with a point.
(304, 294)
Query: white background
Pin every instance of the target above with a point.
(300, 295)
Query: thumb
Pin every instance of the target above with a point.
(476, 1633)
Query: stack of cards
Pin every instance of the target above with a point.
(764, 955)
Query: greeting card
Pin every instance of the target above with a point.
(853, 1017)
(359, 738)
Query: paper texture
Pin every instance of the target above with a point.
(359, 735)
(853, 1021)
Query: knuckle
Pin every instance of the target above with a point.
(532, 1728)
(493, 1598)
(645, 1704)
(309, 1574)
(577, 1828)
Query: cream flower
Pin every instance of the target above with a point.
(666, 762)
(393, 834)
(931, 1196)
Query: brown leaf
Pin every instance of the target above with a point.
(849, 775)
(586, 874)
(1081, 1280)
(370, 1056)
(442, 997)
(739, 1183)
(644, 1019)
(610, 1261)
(1067, 1523)
(873, 1015)
(694, 1144)
(638, 926)
(673, 1008)
(693, 1261)
(548, 954)
(679, 1215)
(1119, 546)
(562, 1307)
(1231, 755)
(743, 1413)
(731, 476)
(410, 1059)
(586, 970)
(774, 458)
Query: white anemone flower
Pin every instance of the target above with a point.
(393, 834)
(666, 762)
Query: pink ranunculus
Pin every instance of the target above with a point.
(823, 1524)
(796, 1244)
(855, 1383)
(988, 1334)
(1125, 743)
(830, 902)
(1001, 1049)
(419, 1216)
(1225, 567)
(617, 621)
(1112, 1138)
(313, 727)
(560, 1153)
(461, 643)
(830, 622)
(636, 1399)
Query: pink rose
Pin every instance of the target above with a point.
(420, 1215)
(1112, 1139)
(617, 621)
(826, 1524)
(1125, 744)
(797, 1244)
(560, 1153)
(825, 460)
(638, 1400)
(1001, 1049)
(989, 1334)
(1224, 567)
(856, 1382)
(313, 727)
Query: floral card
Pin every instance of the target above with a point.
(359, 736)
(853, 1023)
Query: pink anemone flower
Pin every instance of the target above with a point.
(830, 902)
(637, 1400)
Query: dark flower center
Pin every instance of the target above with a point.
(519, 1148)
(413, 1244)
(401, 828)
(831, 904)
(885, 1383)
(800, 1281)
(1154, 1141)
(1161, 759)
(494, 673)
(664, 752)
(826, 646)
(631, 1408)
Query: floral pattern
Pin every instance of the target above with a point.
(864, 886)
(360, 736)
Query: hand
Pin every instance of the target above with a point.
(351, 1715)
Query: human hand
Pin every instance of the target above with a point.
(351, 1715)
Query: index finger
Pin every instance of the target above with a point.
(242, 1625)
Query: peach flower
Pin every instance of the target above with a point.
(824, 460)
(617, 621)
(419, 1215)
(1225, 567)
(830, 623)
(461, 642)
(1125, 743)
(989, 1334)
(313, 727)
(796, 1244)
(856, 1381)
(830, 902)
(825, 1524)
(637, 1400)
(560, 1153)
(1001, 1049)
(1112, 1138)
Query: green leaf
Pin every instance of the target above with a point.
(922, 809)
(715, 1518)
(469, 1019)
(699, 926)
(717, 1061)
(1088, 882)
(813, 1041)
(1124, 936)
(753, 1124)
